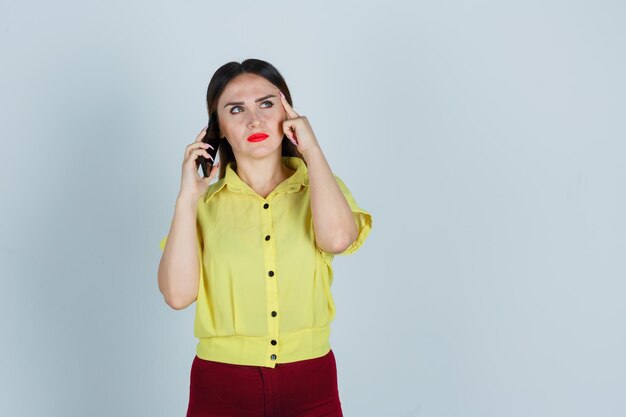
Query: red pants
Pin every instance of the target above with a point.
(305, 388)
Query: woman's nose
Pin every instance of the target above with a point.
(254, 120)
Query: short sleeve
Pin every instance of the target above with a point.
(363, 219)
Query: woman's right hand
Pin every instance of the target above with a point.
(192, 184)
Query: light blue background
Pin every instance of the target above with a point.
(485, 137)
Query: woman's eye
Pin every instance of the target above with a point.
(232, 110)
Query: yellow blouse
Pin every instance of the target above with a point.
(264, 292)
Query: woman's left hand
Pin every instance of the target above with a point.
(298, 129)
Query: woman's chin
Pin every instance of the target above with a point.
(261, 152)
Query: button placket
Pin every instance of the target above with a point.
(271, 282)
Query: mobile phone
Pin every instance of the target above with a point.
(205, 163)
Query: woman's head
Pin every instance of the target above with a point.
(234, 112)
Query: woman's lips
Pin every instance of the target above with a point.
(257, 137)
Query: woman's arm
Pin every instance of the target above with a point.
(179, 272)
(333, 221)
(179, 269)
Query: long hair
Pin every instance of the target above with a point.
(218, 83)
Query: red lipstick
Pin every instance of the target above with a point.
(257, 137)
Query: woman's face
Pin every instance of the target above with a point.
(250, 104)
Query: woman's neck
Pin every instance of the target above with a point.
(263, 175)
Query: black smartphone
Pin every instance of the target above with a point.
(207, 164)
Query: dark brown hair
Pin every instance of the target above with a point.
(218, 83)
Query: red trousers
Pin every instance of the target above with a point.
(305, 388)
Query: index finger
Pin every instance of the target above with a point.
(201, 134)
(290, 112)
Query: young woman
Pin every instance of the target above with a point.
(254, 251)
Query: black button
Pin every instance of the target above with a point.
(273, 342)
(274, 314)
(273, 357)
(271, 273)
(267, 237)
(265, 205)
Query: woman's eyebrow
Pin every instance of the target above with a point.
(238, 103)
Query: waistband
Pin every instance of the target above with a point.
(260, 351)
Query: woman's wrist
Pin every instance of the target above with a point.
(312, 153)
(186, 201)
